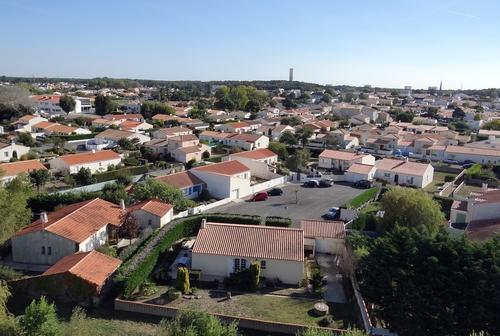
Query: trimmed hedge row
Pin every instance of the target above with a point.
(233, 219)
(114, 174)
(278, 221)
(75, 136)
(365, 196)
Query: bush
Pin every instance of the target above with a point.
(7, 274)
(366, 196)
(183, 280)
(278, 221)
(234, 219)
(48, 202)
(326, 322)
(147, 288)
(241, 280)
(172, 294)
(364, 221)
(118, 173)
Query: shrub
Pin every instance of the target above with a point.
(7, 274)
(147, 288)
(115, 174)
(234, 219)
(172, 294)
(241, 280)
(183, 280)
(278, 221)
(254, 274)
(326, 322)
(366, 196)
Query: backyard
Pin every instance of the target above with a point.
(439, 179)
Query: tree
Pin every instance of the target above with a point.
(14, 209)
(291, 121)
(128, 228)
(183, 280)
(190, 163)
(40, 319)
(39, 178)
(151, 108)
(424, 284)
(26, 139)
(195, 322)
(205, 155)
(84, 177)
(327, 98)
(287, 137)
(404, 117)
(305, 133)
(154, 189)
(492, 125)
(104, 105)
(412, 208)
(299, 160)
(255, 275)
(8, 326)
(67, 103)
(127, 144)
(114, 193)
(458, 113)
(15, 102)
(279, 149)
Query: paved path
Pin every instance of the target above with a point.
(334, 291)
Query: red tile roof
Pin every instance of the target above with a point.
(16, 168)
(78, 221)
(359, 168)
(104, 155)
(257, 154)
(93, 267)
(339, 155)
(491, 196)
(250, 241)
(153, 206)
(229, 168)
(180, 180)
(246, 137)
(183, 138)
(314, 228)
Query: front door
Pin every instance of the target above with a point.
(396, 178)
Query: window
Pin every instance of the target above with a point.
(196, 189)
(387, 174)
(6, 154)
(263, 264)
(49, 250)
(150, 222)
(236, 265)
(243, 263)
(43, 249)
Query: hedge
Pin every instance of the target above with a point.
(48, 202)
(233, 219)
(114, 174)
(362, 198)
(278, 221)
(445, 203)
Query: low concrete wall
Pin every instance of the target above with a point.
(246, 323)
(268, 184)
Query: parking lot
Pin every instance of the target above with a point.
(296, 202)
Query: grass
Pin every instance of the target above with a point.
(362, 198)
(105, 327)
(467, 189)
(438, 181)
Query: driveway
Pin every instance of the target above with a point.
(296, 202)
(334, 291)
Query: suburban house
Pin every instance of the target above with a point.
(184, 148)
(48, 104)
(180, 141)
(113, 136)
(359, 171)
(236, 127)
(477, 155)
(214, 138)
(152, 213)
(95, 161)
(12, 169)
(135, 126)
(404, 172)
(480, 212)
(222, 249)
(50, 128)
(157, 147)
(82, 278)
(166, 133)
(246, 141)
(186, 181)
(228, 179)
(274, 132)
(12, 150)
(322, 236)
(260, 161)
(79, 227)
(333, 159)
(124, 117)
(25, 123)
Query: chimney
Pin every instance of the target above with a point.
(93, 151)
(491, 139)
(406, 159)
(484, 187)
(122, 204)
(44, 217)
(203, 223)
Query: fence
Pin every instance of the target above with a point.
(243, 322)
(268, 184)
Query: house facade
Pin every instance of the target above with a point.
(403, 172)
(12, 150)
(152, 213)
(96, 161)
(339, 160)
(185, 181)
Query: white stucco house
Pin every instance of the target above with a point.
(185, 181)
(477, 155)
(152, 213)
(222, 249)
(260, 161)
(78, 227)
(246, 141)
(12, 169)
(9, 151)
(359, 171)
(96, 161)
(339, 160)
(228, 179)
(322, 236)
(24, 123)
(403, 172)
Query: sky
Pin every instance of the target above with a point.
(380, 43)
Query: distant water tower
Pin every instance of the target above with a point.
(290, 75)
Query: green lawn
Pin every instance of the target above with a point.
(362, 198)
(467, 189)
(105, 327)
(438, 181)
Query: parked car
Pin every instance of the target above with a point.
(275, 192)
(325, 183)
(424, 160)
(363, 184)
(467, 165)
(311, 184)
(332, 213)
(450, 161)
(317, 174)
(260, 196)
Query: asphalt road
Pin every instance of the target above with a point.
(312, 202)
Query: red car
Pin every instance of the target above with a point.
(260, 196)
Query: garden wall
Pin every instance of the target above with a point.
(245, 323)
(268, 184)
